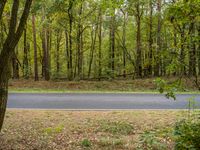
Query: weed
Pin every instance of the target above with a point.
(106, 142)
(86, 143)
(118, 127)
(53, 130)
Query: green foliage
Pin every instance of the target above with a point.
(168, 88)
(86, 143)
(154, 140)
(187, 135)
(107, 142)
(53, 130)
(119, 127)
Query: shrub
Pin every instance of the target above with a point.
(187, 135)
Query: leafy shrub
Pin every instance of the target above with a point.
(187, 135)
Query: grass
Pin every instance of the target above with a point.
(116, 127)
(45, 129)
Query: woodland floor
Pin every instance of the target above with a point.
(137, 85)
(140, 129)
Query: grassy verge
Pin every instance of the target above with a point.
(40, 91)
(30, 129)
(115, 86)
(28, 90)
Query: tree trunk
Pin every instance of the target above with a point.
(67, 53)
(124, 43)
(70, 14)
(3, 92)
(138, 66)
(100, 44)
(15, 64)
(158, 49)
(58, 40)
(112, 44)
(93, 44)
(150, 68)
(182, 53)
(25, 60)
(35, 49)
(192, 51)
(79, 43)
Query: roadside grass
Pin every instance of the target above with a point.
(45, 129)
(114, 86)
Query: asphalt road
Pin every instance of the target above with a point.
(98, 101)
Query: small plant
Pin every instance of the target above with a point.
(86, 143)
(151, 140)
(54, 130)
(110, 142)
(119, 127)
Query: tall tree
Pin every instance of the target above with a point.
(15, 32)
(158, 49)
(112, 43)
(138, 15)
(35, 49)
(150, 40)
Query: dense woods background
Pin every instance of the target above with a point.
(105, 39)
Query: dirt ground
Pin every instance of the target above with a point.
(69, 130)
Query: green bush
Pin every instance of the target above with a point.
(187, 135)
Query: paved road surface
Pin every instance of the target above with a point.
(98, 101)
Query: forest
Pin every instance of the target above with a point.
(106, 39)
(125, 72)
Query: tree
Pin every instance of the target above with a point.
(15, 32)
